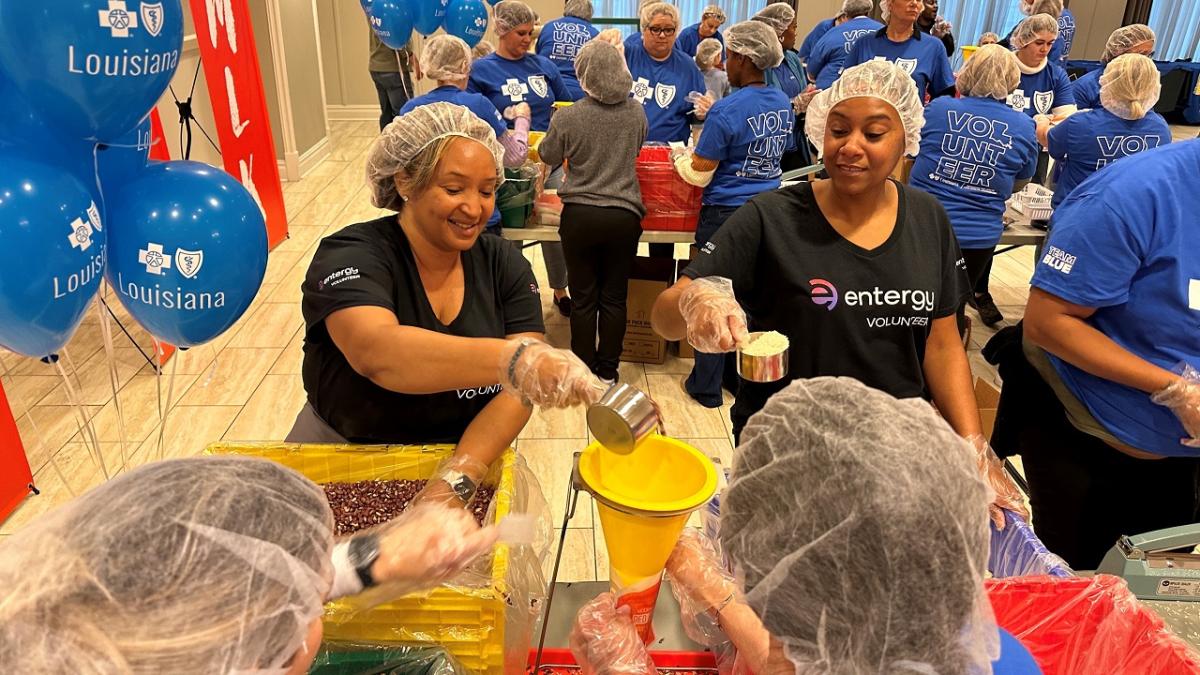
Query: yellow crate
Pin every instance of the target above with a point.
(469, 622)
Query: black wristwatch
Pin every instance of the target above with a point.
(461, 484)
(363, 552)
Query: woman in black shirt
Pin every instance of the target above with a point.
(414, 324)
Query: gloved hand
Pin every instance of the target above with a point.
(1008, 495)
(512, 112)
(702, 103)
(800, 103)
(613, 37)
(427, 545)
(438, 489)
(548, 377)
(605, 642)
(701, 585)
(941, 27)
(715, 321)
(1183, 398)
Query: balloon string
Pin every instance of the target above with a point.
(114, 379)
(42, 445)
(162, 429)
(86, 432)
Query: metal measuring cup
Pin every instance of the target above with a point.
(622, 418)
(765, 369)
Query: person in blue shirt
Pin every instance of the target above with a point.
(921, 56)
(561, 39)
(825, 62)
(710, 57)
(1103, 397)
(1137, 38)
(1066, 35)
(709, 27)
(789, 75)
(1045, 88)
(975, 152)
(448, 62)
(664, 77)
(738, 156)
(814, 36)
(1126, 124)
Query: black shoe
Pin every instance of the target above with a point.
(988, 312)
(564, 305)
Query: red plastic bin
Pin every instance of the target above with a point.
(1088, 626)
(671, 204)
(556, 661)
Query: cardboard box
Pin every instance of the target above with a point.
(686, 351)
(987, 397)
(649, 278)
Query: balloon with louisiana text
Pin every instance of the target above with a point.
(91, 68)
(392, 21)
(467, 19)
(51, 253)
(126, 156)
(429, 15)
(187, 250)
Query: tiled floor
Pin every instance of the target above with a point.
(245, 386)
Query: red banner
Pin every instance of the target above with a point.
(235, 86)
(15, 476)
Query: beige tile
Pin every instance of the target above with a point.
(271, 410)
(682, 416)
(633, 374)
(189, 430)
(551, 462)
(236, 374)
(192, 361)
(84, 344)
(721, 448)
(81, 472)
(323, 211)
(274, 326)
(291, 359)
(279, 263)
(555, 423)
(673, 365)
(300, 238)
(93, 380)
(139, 410)
(578, 559)
(45, 429)
(24, 391)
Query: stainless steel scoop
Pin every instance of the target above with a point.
(623, 418)
(771, 368)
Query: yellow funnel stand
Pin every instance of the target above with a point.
(968, 51)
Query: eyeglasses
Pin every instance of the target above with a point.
(661, 32)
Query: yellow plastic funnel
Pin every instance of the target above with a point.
(968, 51)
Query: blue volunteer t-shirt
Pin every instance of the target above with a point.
(662, 88)
(1014, 659)
(921, 56)
(689, 38)
(1043, 91)
(476, 103)
(531, 79)
(972, 151)
(1088, 141)
(1086, 90)
(634, 39)
(1061, 50)
(559, 41)
(747, 132)
(1125, 243)
(788, 76)
(828, 56)
(814, 37)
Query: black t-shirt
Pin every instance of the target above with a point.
(847, 311)
(371, 264)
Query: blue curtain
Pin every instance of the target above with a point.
(689, 11)
(1177, 24)
(972, 18)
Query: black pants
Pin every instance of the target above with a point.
(1084, 493)
(394, 90)
(979, 265)
(599, 244)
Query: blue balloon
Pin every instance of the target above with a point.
(187, 250)
(430, 14)
(467, 19)
(91, 68)
(392, 21)
(52, 249)
(22, 129)
(121, 160)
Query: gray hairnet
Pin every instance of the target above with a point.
(756, 40)
(715, 12)
(508, 14)
(1028, 30)
(446, 58)
(708, 52)
(883, 80)
(858, 526)
(580, 9)
(482, 49)
(1126, 38)
(990, 36)
(602, 72)
(853, 8)
(198, 565)
(1130, 86)
(993, 72)
(653, 9)
(401, 142)
(778, 16)
(1052, 7)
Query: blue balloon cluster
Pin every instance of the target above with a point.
(467, 19)
(394, 20)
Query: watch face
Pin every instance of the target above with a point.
(364, 550)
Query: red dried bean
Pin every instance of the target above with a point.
(363, 504)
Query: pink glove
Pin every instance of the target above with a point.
(605, 642)
(546, 376)
(715, 321)
(1183, 398)
(1008, 495)
(701, 585)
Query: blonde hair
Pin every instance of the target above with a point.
(1130, 86)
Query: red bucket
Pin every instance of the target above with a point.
(561, 662)
(671, 204)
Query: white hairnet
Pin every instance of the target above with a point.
(989, 37)
(1026, 7)
(708, 52)
(993, 72)
(715, 12)
(1028, 30)
(1052, 7)
(580, 9)
(482, 49)
(883, 80)
(1126, 38)
(401, 142)
(509, 14)
(756, 40)
(778, 16)
(446, 58)
(858, 526)
(602, 72)
(1130, 86)
(653, 9)
(853, 8)
(198, 565)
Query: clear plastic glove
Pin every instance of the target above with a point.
(546, 376)
(438, 489)
(605, 642)
(941, 28)
(513, 112)
(426, 546)
(701, 585)
(1183, 398)
(1008, 495)
(715, 321)
(800, 103)
(701, 103)
(613, 37)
